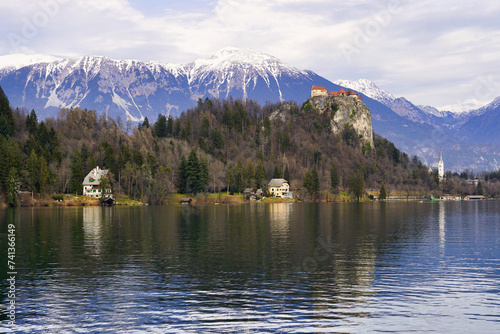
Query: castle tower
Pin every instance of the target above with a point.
(441, 166)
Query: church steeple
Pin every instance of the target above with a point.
(441, 165)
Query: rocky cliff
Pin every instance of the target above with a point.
(346, 111)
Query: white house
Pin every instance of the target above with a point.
(92, 184)
(279, 188)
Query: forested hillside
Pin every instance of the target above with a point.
(216, 146)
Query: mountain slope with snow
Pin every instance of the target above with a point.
(368, 88)
(135, 89)
(16, 61)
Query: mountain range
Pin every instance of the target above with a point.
(132, 90)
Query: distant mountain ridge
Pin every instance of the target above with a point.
(133, 89)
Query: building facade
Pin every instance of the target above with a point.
(92, 186)
(279, 188)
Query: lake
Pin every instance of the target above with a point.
(256, 268)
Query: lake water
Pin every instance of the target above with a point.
(256, 268)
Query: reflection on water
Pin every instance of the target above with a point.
(276, 268)
(442, 223)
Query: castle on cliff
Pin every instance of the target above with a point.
(322, 91)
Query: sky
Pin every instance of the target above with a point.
(439, 53)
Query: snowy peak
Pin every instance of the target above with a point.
(17, 61)
(246, 61)
(368, 88)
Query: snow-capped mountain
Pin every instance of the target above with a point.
(16, 61)
(369, 88)
(135, 89)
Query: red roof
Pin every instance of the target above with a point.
(318, 88)
(341, 90)
(333, 93)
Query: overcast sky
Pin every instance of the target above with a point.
(436, 53)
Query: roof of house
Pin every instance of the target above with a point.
(333, 93)
(318, 88)
(277, 182)
(94, 177)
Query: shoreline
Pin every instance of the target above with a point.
(212, 199)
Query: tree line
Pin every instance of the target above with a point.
(219, 145)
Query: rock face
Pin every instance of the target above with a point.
(346, 111)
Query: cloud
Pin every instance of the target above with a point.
(430, 52)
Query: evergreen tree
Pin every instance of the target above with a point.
(44, 175)
(144, 124)
(181, 183)
(186, 131)
(230, 178)
(315, 181)
(108, 157)
(260, 175)
(14, 187)
(239, 176)
(311, 182)
(193, 172)
(356, 185)
(205, 127)
(33, 171)
(382, 193)
(276, 173)
(170, 126)
(249, 174)
(334, 178)
(203, 176)
(286, 174)
(160, 127)
(32, 122)
(217, 139)
(479, 189)
(77, 173)
(177, 128)
(88, 161)
(6, 116)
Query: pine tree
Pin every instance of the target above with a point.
(44, 175)
(32, 122)
(382, 193)
(181, 183)
(276, 173)
(160, 127)
(249, 174)
(260, 175)
(33, 171)
(286, 174)
(186, 131)
(238, 176)
(334, 178)
(192, 172)
(77, 173)
(203, 176)
(14, 187)
(311, 182)
(356, 185)
(230, 178)
(6, 116)
(170, 126)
